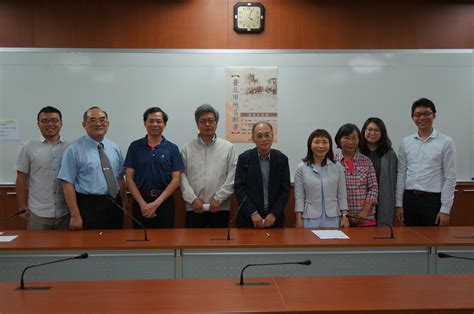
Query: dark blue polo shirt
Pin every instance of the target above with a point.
(153, 165)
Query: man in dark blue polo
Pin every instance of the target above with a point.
(153, 167)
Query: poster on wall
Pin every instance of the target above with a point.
(9, 130)
(251, 96)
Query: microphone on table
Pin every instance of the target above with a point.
(133, 218)
(383, 223)
(22, 282)
(232, 220)
(241, 283)
(445, 255)
(15, 214)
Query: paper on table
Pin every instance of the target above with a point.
(330, 234)
(7, 238)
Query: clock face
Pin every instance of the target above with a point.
(249, 17)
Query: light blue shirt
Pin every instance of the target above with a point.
(81, 165)
(427, 165)
(265, 170)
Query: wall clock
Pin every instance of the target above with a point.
(249, 17)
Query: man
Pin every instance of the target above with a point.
(37, 166)
(153, 167)
(262, 181)
(208, 181)
(84, 173)
(426, 171)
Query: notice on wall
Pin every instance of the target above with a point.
(251, 96)
(9, 130)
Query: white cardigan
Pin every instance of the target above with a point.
(210, 172)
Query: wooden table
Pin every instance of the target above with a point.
(192, 253)
(409, 294)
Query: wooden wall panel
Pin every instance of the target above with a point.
(16, 24)
(63, 24)
(163, 24)
(201, 24)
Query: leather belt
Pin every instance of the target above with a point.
(152, 193)
(417, 192)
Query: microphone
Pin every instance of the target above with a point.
(22, 283)
(383, 223)
(445, 255)
(15, 214)
(133, 218)
(241, 283)
(232, 220)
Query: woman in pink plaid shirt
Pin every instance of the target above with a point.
(361, 180)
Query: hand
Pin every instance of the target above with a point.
(214, 206)
(75, 223)
(149, 210)
(399, 214)
(345, 222)
(269, 220)
(298, 223)
(362, 216)
(26, 214)
(257, 220)
(442, 219)
(197, 205)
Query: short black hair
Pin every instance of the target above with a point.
(309, 159)
(346, 130)
(383, 145)
(49, 109)
(423, 102)
(206, 108)
(153, 110)
(84, 117)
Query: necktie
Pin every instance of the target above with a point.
(108, 172)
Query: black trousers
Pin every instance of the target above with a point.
(99, 212)
(164, 218)
(420, 209)
(207, 219)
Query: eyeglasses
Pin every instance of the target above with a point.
(47, 121)
(95, 120)
(372, 130)
(422, 114)
(263, 135)
(207, 121)
(349, 139)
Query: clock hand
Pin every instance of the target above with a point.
(250, 14)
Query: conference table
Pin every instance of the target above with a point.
(206, 253)
(327, 294)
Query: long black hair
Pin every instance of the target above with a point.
(383, 145)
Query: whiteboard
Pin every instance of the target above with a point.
(316, 89)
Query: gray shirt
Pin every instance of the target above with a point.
(42, 161)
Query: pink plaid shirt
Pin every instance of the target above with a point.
(361, 184)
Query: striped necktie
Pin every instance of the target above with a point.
(112, 183)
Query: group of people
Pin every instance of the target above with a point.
(82, 184)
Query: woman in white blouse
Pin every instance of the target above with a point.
(320, 186)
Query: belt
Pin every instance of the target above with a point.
(417, 192)
(153, 193)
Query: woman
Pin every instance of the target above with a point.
(377, 146)
(320, 187)
(361, 181)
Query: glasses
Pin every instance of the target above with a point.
(95, 120)
(206, 121)
(422, 114)
(349, 139)
(372, 130)
(47, 121)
